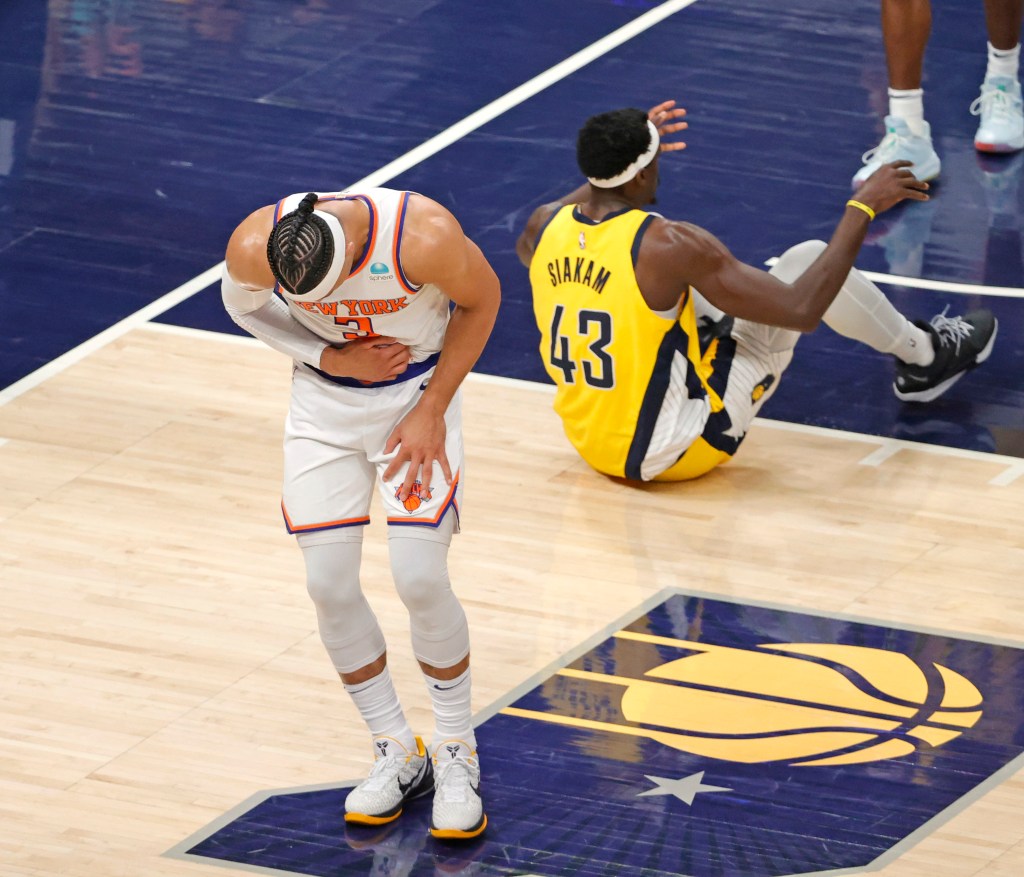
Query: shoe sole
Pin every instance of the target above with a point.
(933, 393)
(424, 786)
(999, 148)
(855, 184)
(459, 833)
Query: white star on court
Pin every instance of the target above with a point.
(685, 788)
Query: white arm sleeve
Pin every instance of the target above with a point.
(263, 315)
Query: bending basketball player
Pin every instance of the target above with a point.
(642, 391)
(363, 283)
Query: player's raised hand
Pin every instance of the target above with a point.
(663, 116)
(889, 185)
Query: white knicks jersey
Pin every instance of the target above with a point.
(376, 298)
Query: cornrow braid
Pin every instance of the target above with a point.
(300, 249)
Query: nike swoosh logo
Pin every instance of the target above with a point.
(448, 687)
(404, 787)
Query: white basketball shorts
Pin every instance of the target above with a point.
(334, 452)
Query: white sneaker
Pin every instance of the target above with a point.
(458, 810)
(1002, 119)
(397, 776)
(900, 144)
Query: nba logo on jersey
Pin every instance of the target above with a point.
(697, 737)
(381, 271)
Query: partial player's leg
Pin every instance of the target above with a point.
(440, 640)
(1001, 110)
(327, 489)
(930, 356)
(420, 530)
(355, 643)
(906, 26)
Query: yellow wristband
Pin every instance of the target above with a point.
(864, 207)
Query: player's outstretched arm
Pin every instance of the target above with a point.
(744, 291)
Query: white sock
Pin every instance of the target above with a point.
(378, 704)
(453, 712)
(908, 104)
(862, 312)
(1003, 62)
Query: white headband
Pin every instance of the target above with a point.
(645, 159)
(324, 287)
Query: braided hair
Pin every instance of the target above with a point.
(301, 248)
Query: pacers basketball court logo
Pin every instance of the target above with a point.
(700, 738)
(808, 704)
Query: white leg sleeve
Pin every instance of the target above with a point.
(419, 564)
(348, 627)
(861, 310)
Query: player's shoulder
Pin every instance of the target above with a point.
(676, 235)
(246, 254)
(423, 211)
(428, 226)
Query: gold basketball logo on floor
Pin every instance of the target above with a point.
(800, 703)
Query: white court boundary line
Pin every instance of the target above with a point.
(403, 163)
(886, 447)
(142, 317)
(937, 285)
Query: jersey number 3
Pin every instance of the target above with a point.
(599, 371)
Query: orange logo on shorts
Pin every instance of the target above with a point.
(418, 495)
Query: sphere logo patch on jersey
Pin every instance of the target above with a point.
(381, 271)
(701, 738)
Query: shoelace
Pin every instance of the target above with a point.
(384, 769)
(455, 788)
(994, 102)
(951, 330)
(889, 145)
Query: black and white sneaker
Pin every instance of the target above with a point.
(398, 775)
(961, 343)
(458, 812)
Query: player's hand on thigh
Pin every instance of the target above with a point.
(419, 439)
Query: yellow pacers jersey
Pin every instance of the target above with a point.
(617, 364)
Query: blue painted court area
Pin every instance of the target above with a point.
(702, 738)
(134, 135)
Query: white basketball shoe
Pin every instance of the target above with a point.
(1001, 128)
(397, 776)
(901, 144)
(458, 809)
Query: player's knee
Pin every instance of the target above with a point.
(332, 578)
(421, 588)
(333, 595)
(797, 259)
